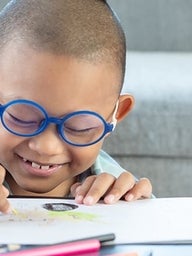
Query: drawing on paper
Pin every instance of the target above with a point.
(59, 206)
(47, 213)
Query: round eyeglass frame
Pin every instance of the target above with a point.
(108, 127)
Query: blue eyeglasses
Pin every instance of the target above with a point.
(81, 128)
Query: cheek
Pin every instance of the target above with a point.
(8, 142)
(6, 150)
(6, 139)
(85, 157)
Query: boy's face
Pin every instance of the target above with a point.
(61, 85)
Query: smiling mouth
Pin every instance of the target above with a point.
(38, 166)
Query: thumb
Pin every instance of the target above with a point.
(2, 174)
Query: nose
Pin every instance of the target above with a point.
(48, 142)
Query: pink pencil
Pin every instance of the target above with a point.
(73, 248)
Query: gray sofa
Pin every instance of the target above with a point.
(155, 140)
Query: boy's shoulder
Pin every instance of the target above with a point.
(105, 163)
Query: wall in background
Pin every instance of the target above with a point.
(3, 2)
(156, 25)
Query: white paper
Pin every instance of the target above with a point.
(144, 221)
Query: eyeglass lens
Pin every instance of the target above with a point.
(25, 119)
(83, 128)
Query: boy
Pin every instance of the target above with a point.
(61, 72)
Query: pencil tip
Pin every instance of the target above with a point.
(14, 211)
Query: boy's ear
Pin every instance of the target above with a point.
(126, 103)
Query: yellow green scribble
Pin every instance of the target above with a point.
(73, 215)
(14, 211)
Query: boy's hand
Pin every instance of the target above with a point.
(111, 189)
(4, 204)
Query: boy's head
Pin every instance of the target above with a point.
(67, 56)
(86, 29)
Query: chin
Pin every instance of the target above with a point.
(37, 191)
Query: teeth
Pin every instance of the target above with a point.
(45, 167)
(35, 165)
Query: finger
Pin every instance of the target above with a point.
(2, 174)
(98, 188)
(83, 188)
(74, 188)
(141, 189)
(4, 204)
(124, 183)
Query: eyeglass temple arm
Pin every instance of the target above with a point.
(114, 120)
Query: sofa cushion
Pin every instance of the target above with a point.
(160, 124)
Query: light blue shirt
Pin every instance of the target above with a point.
(105, 163)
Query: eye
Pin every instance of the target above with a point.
(81, 131)
(8, 116)
(18, 124)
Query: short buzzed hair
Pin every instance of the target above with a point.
(84, 29)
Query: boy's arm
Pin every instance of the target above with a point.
(110, 181)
